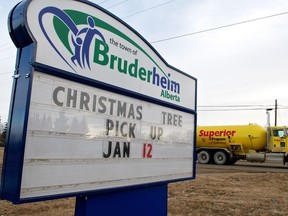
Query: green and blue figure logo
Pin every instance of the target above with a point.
(81, 38)
(82, 47)
(81, 35)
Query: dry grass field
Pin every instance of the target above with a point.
(210, 194)
(230, 194)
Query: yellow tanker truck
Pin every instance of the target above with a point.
(227, 144)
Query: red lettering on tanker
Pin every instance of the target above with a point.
(215, 135)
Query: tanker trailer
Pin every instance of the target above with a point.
(227, 144)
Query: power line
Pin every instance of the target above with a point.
(236, 105)
(241, 109)
(103, 2)
(156, 6)
(226, 110)
(117, 4)
(219, 27)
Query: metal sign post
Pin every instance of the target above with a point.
(150, 200)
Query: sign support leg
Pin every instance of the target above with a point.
(150, 200)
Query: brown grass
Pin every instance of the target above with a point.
(210, 194)
(230, 194)
(63, 207)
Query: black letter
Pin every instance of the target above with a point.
(131, 130)
(112, 101)
(139, 112)
(55, 93)
(121, 109)
(84, 100)
(163, 116)
(109, 150)
(126, 149)
(109, 126)
(117, 150)
(103, 110)
(153, 135)
(131, 112)
(71, 97)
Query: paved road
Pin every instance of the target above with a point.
(242, 166)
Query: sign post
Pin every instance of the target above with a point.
(95, 113)
(150, 200)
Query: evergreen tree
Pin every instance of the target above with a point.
(3, 134)
(4, 130)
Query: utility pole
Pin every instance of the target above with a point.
(276, 105)
(268, 128)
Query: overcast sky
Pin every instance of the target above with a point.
(242, 66)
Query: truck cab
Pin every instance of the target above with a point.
(278, 140)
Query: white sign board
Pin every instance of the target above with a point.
(82, 138)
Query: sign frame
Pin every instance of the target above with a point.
(26, 64)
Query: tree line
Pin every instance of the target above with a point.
(3, 134)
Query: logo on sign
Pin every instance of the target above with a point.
(80, 37)
(81, 34)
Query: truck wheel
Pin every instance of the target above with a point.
(220, 158)
(204, 157)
